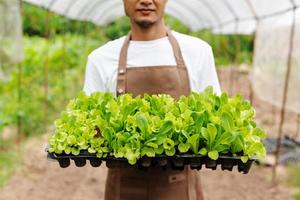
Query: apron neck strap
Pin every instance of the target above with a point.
(176, 49)
(175, 46)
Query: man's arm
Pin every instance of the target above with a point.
(93, 79)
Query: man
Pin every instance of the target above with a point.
(153, 60)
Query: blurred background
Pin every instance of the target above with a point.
(44, 46)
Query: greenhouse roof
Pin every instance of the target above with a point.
(220, 16)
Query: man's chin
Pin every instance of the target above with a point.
(145, 23)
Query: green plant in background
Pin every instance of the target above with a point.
(293, 179)
(10, 158)
(227, 48)
(65, 56)
(176, 24)
(66, 59)
(35, 23)
(201, 123)
(118, 28)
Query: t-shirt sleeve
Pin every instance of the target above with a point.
(93, 81)
(208, 73)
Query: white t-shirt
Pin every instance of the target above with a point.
(102, 64)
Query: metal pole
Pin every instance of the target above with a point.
(285, 92)
(298, 126)
(273, 114)
(64, 56)
(46, 71)
(19, 118)
(251, 90)
(231, 77)
(19, 90)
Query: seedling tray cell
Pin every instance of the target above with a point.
(176, 162)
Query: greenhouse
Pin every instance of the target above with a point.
(67, 126)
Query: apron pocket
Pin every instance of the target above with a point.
(169, 186)
(132, 188)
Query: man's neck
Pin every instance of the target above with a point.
(145, 34)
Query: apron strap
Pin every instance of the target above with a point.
(121, 78)
(121, 74)
(176, 49)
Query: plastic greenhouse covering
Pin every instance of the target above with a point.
(277, 36)
(10, 32)
(220, 16)
(273, 43)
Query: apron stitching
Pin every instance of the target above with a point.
(187, 184)
(118, 184)
(148, 188)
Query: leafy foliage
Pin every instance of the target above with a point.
(65, 57)
(38, 22)
(118, 28)
(10, 158)
(227, 48)
(293, 179)
(201, 123)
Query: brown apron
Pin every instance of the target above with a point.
(155, 183)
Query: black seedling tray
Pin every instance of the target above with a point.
(176, 162)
